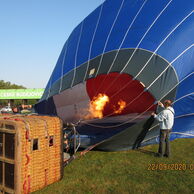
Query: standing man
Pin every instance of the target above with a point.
(166, 120)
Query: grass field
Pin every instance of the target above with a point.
(130, 172)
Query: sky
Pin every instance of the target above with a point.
(32, 35)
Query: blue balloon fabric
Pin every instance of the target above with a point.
(163, 27)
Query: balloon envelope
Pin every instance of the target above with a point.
(136, 51)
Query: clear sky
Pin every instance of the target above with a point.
(32, 34)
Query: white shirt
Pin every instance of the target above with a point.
(166, 118)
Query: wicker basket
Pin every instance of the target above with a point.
(30, 153)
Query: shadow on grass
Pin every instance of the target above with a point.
(151, 153)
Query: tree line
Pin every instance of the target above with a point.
(9, 85)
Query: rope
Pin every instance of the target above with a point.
(82, 153)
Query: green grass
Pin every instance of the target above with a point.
(128, 172)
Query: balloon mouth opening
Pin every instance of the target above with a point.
(118, 94)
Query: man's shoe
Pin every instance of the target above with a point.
(166, 155)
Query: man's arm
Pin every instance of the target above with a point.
(160, 117)
(160, 104)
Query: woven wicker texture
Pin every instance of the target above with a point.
(38, 153)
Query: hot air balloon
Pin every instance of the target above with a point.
(130, 54)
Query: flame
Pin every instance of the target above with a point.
(122, 105)
(97, 105)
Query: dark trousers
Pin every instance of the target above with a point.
(164, 141)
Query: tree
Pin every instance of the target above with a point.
(8, 85)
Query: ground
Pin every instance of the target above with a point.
(130, 172)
